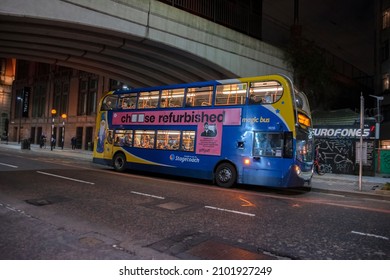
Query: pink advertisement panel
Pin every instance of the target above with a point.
(209, 123)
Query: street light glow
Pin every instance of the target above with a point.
(380, 98)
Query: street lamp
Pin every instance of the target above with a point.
(378, 115)
(377, 125)
(20, 99)
(53, 113)
(63, 116)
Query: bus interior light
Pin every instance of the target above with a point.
(234, 91)
(275, 89)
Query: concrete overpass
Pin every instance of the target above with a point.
(138, 42)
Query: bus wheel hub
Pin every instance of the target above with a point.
(225, 175)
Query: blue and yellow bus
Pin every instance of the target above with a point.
(254, 130)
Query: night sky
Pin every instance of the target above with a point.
(345, 28)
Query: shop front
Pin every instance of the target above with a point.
(339, 148)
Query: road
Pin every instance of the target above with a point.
(66, 208)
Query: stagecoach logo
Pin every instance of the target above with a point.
(192, 159)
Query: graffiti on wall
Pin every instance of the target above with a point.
(336, 155)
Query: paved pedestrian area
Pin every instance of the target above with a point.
(371, 186)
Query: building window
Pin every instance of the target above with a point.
(114, 84)
(386, 19)
(385, 50)
(18, 103)
(22, 68)
(61, 94)
(42, 69)
(39, 101)
(87, 96)
(386, 113)
(385, 82)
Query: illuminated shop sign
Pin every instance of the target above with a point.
(344, 132)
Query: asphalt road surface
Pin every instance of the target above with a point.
(55, 207)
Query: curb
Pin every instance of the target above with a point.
(378, 194)
(383, 192)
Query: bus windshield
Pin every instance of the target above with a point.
(305, 146)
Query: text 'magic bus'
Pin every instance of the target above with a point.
(254, 131)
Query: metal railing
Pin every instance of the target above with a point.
(232, 15)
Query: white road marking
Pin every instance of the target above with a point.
(370, 235)
(6, 206)
(150, 195)
(230, 211)
(67, 178)
(9, 165)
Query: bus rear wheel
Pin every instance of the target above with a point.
(225, 175)
(119, 162)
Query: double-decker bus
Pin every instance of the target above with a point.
(254, 130)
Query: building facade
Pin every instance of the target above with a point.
(49, 100)
(383, 70)
(7, 72)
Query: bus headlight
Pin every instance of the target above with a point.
(297, 169)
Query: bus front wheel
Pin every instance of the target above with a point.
(225, 175)
(119, 162)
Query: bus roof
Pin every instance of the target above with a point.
(199, 84)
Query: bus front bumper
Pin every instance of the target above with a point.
(304, 175)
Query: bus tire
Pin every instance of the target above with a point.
(225, 175)
(119, 162)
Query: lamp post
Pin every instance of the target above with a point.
(63, 116)
(377, 126)
(20, 99)
(378, 115)
(53, 113)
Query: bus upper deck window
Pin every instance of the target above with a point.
(128, 101)
(266, 92)
(230, 94)
(201, 96)
(299, 101)
(172, 98)
(148, 99)
(109, 103)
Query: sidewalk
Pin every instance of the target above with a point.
(349, 185)
(329, 183)
(78, 153)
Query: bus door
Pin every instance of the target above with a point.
(267, 167)
(108, 144)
